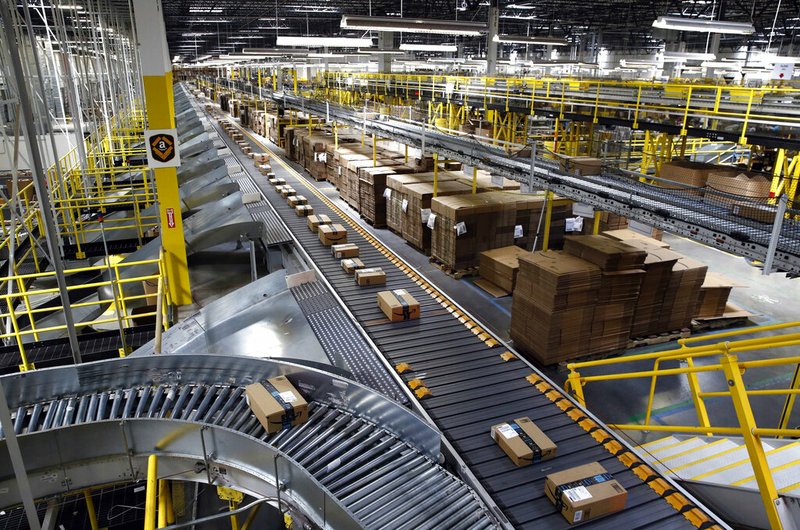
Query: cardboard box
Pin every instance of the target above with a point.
(276, 181)
(351, 265)
(260, 158)
(296, 200)
(304, 210)
(585, 492)
(398, 305)
(346, 250)
(523, 441)
(500, 266)
(277, 404)
(371, 276)
(314, 221)
(264, 169)
(331, 234)
(287, 191)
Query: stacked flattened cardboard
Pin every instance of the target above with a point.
(483, 182)
(553, 306)
(500, 266)
(683, 294)
(466, 225)
(691, 174)
(396, 197)
(622, 275)
(415, 216)
(608, 221)
(372, 186)
(714, 295)
(529, 212)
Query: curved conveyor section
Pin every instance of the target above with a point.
(361, 461)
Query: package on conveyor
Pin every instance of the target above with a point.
(414, 217)
(370, 276)
(398, 305)
(395, 198)
(346, 250)
(523, 441)
(581, 165)
(726, 189)
(304, 210)
(553, 306)
(264, 169)
(351, 265)
(585, 492)
(332, 234)
(714, 295)
(296, 200)
(287, 191)
(764, 213)
(261, 158)
(466, 225)
(691, 174)
(314, 221)
(500, 266)
(276, 404)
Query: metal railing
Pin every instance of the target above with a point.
(713, 354)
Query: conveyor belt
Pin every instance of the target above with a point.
(97, 249)
(386, 482)
(473, 388)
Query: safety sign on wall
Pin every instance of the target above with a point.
(162, 148)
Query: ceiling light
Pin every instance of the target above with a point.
(627, 63)
(71, 6)
(273, 52)
(677, 57)
(703, 26)
(326, 55)
(413, 25)
(522, 39)
(377, 51)
(325, 42)
(429, 47)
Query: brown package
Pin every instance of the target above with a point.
(304, 210)
(585, 492)
(371, 276)
(314, 221)
(509, 436)
(270, 401)
(296, 200)
(398, 305)
(346, 250)
(332, 234)
(351, 265)
(288, 191)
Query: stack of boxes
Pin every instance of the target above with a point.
(415, 216)
(500, 266)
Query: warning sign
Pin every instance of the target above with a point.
(170, 218)
(162, 148)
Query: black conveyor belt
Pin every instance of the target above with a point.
(472, 387)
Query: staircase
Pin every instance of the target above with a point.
(718, 470)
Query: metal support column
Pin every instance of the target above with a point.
(160, 112)
(39, 175)
(491, 44)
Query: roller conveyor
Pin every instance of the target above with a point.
(473, 388)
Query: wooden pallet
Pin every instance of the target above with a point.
(733, 317)
(453, 273)
(661, 338)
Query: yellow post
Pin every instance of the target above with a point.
(576, 387)
(699, 404)
(160, 112)
(406, 161)
(151, 494)
(474, 180)
(435, 174)
(169, 506)
(596, 225)
(294, 79)
(162, 503)
(788, 406)
(747, 422)
(90, 510)
(548, 214)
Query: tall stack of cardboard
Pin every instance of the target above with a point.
(501, 265)
(608, 221)
(529, 212)
(466, 225)
(419, 196)
(372, 185)
(395, 196)
(682, 296)
(484, 183)
(553, 306)
(714, 295)
(622, 275)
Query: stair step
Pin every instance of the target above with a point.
(667, 451)
(661, 442)
(735, 471)
(704, 453)
(722, 459)
(784, 467)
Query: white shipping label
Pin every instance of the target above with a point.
(425, 214)
(288, 396)
(460, 228)
(431, 221)
(581, 209)
(518, 231)
(387, 193)
(578, 494)
(574, 224)
(400, 292)
(577, 516)
(507, 431)
(404, 205)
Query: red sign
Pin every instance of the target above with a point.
(170, 217)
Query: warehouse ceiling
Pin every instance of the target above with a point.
(223, 26)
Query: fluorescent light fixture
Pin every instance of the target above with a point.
(522, 39)
(273, 52)
(413, 25)
(325, 55)
(628, 63)
(71, 6)
(719, 64)
(325, 42)
(429, 47)
(703, 26)
(384, 51)
(679, 57)
(777, 59)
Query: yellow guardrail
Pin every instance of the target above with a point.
(22, 302)
(724, 347)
